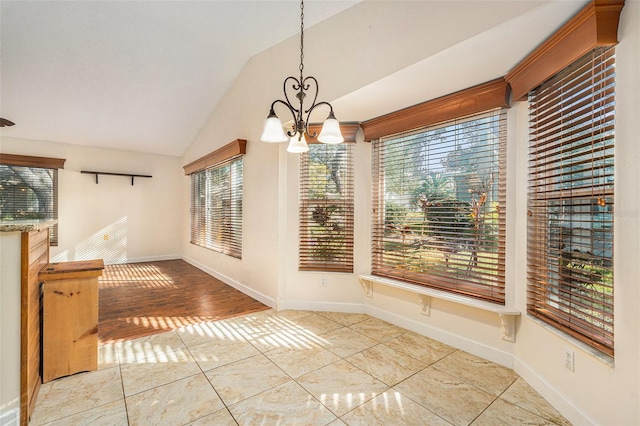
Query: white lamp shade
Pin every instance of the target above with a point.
(273, 131)
(330, 132)
(298, 146)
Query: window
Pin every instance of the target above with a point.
(326, 208)
(29, 189)
(571, 179)
(439, 205)
(216, 199)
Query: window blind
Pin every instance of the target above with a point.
(439, 196)
(326, 208)
(216, 207)
(29, 189)
(571, 180)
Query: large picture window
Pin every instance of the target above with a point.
(571, 180)
(29, 189)
(216, 199)
(439, 205)
(326, 208)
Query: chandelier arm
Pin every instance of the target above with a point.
(295, 86)
(292, 110)
(309, 111)
(315, 96)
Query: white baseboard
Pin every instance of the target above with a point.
(569, 410)
(459, 342)
(269, 301)
(149, 259)
(10, 417)
(306, 305)
(454, 340)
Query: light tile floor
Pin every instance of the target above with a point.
(291, 367)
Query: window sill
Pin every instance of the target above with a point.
(507, 314)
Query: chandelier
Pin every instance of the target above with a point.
(302, 86)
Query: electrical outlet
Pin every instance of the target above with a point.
(569, 359)
(323, 282)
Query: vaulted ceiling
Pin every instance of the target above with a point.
(147, 75)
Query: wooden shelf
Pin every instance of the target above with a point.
(132, 176)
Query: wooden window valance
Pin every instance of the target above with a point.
(483, 97)
(595, 25)
(30, 161)
(230, 150)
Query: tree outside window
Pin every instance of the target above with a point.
(443, 221)
(28, 193)
(326, 208)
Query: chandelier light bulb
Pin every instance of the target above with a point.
(330, 132)
(298, 144)
(272, 131)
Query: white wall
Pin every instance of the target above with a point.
(10, 249)
(140, 222)
(596, 392)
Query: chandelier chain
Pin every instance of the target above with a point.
(301, 39)
(302, 87)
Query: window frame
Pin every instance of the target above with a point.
(342, 260)
(568, 287)
(48, 163)
(228, 238)
(444, 281)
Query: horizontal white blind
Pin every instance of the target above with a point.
(439, 206)
(29, 193)
(326, 208)
(571, 179)
(216, 207)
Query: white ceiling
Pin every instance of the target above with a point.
(137, 75)
(146, 75)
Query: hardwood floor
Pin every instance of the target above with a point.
(140, 299)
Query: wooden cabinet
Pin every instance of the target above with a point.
(70, 317)
(34, 255)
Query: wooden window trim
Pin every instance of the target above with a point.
(227, 152)
(29, 161)
(476, 99)
(595, 25)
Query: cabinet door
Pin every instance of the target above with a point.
(70, 327)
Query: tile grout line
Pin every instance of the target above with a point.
(124, 396)
(284, 324)
(224, 404)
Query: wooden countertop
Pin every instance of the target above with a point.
(75, 269)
